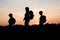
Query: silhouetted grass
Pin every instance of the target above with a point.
(33, 28)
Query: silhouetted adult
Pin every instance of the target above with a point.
(28, 16)
(42, 18)
(27, 19)
(11, 20)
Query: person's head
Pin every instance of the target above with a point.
(40, 12)
(10, 15)
(27, 8)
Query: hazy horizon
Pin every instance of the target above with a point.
(51, 9)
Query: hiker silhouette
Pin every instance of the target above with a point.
(11, 20)
(42, 18)
(28, 16)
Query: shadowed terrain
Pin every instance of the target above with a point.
(33, 28)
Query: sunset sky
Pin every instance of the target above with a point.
(51, 9)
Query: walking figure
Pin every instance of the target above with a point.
(11, 20)
(27, 19)
(28, 16)
(42, 18)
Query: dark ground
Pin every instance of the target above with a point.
(33, 28)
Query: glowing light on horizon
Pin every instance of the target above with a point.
(51, 9)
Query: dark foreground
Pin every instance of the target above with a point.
(33, 28)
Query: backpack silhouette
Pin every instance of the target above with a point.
(43, 18)
(31, 15)
(11, 20)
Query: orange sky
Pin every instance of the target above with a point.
(51, 9)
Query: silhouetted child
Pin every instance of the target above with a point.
(11, 20)
(42, 18)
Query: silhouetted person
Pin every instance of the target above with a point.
(28, 16)
(27, 19)
(42, 18)
(11, 20)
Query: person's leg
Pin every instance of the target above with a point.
(26, 25)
